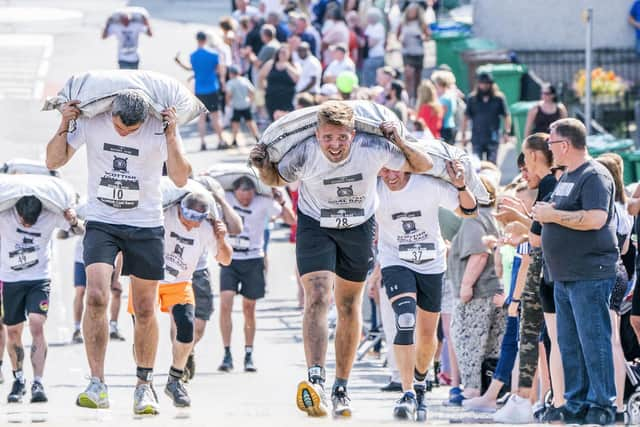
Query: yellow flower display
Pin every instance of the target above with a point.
(603, 83)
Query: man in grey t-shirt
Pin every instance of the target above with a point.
(580, 250)
(240, 94)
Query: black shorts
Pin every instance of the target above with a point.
(347, 252)
(635, 302)
(202, 290)
(79, 275)
(244, 277)
(547, 300)
(142, 248)
(22, 298)
(238, 115)
(414, 61)
(210, 100)
(427, 287)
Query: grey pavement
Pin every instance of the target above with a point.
(41, 44)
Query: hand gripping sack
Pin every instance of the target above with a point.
(295, 127)
(26, 166)
(96, 89)
(227, 174)
(211, 184)
(134, 13)
(172, 195)
(55, 194)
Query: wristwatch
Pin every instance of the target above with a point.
(463, 188)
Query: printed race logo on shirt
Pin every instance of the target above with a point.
(119, 188)
(413, 244)
(23, 258)
(346, 190)
(563, 189)
(174, 262)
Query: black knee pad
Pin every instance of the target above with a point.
(405, 310)
(183, 315)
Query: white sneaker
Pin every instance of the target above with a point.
(479, 404)
(517, 410)
(145, 401)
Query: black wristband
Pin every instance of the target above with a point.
(515, 300)
(463, 188)
(469, 211)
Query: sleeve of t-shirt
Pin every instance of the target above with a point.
(469, 110)
(391, 157)
(291, 166)
(634, 10)
(274, 208)
(596, 193)
(62, 223)
(503, 107)
(448, 195)
(78, 137)
(265, 54)
(471, 244)
(446, 101)
(209, 238)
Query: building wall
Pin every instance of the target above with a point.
(552, 24)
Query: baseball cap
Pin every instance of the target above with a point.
(339, 46)
(201, 36)
(328, 89)
(485, 78)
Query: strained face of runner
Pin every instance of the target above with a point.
(335, 141)
(395, 180)
(245, 195)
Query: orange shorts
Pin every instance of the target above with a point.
(169, 295)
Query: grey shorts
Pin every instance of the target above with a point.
(201, 284)
(244, 277)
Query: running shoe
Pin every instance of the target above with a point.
(95, 396)
(18, 389)
(37, 393)
(145, 401)
(77, 337)
(421, 410)
(189, 368)
(311, 398)
(177, 393)
(517, 410)
(115, 335)
(341, 402)
(248, 363)
(227, 364)
(406, 407)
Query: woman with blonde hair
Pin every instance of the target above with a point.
(428, 108)
(444, 84)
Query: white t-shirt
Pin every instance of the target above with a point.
(336, 67)
(79, 251)
(310, 67)
(127, 39)
(25, 252)
(183, 248)
(203, 262)
(376, 32)
(408, 226)
(124, 172)
(250, 243)
(340, 195)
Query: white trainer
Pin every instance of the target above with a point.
(517, 410)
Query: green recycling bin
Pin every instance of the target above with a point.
(459, 67)
(631, 166)
(519, 112)
(444, 42)
(508, 77)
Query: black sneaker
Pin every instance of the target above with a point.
(18, 389)
(37, 393)
(189, 368)
(234, 143)
(392, 386)
(600, 416)
(406, 407)
(77, 337)
(227, 364)
(562, 415)
(421, 410)
(248, 363)
(115, 335)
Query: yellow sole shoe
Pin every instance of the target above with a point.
(309, 401)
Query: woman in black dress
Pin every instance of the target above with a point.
(280, 75)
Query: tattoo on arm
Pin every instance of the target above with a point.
(572, 218)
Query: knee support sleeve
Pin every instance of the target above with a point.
(183, 315)
(405, 311)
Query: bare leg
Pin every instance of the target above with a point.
(39, 343)
(145, 294)
(202, 130)
(619, 362)
(16, 349)
(315, 331)
(235, 127)
(555, 361)
(200, 327)
(635, 324)
(409, 76)
(95, 327)
(226, 325)
(426, 338)
(300, 290)
(217, 126)
(453, 361)
(349, 328)
(3, 339)
(543, 373)
(253, 127)
(116, 289)
(78, 304)
(249, 311)
(181, 350)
